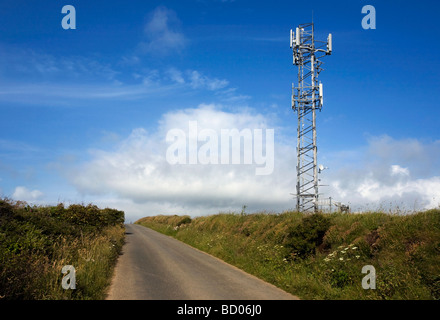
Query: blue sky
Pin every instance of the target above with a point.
(85, 112)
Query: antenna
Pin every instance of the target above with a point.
(308, 97)
(321, 94)
(329, 44)
(298, 37)
(291, 38)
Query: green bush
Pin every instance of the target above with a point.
(339, 278)
(6, 211)
(303, 239)
(35, 242)
(185, 220)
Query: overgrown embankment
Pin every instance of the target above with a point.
(321, 256)
(36, 242)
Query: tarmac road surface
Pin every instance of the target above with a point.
(157, 267)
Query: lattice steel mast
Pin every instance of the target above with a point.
(307, 97)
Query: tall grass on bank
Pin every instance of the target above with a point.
(36, 242)
(321, 256)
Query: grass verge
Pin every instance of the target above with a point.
(36, 242)
(321, 256)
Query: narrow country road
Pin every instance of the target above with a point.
(155, 266)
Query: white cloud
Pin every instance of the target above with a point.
(24, 194)
(175, 75)
(152, 83)
(197, 80)
(386, 173)
(32, 64)
(136, 175)
(137, 170)
(40, 78)
(398, 170)
(162, 33)
(404, 195)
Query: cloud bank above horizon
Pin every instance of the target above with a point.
(135, 175)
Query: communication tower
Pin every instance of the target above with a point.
(307, 98)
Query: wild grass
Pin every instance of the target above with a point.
(36, 242)
(321, 256)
